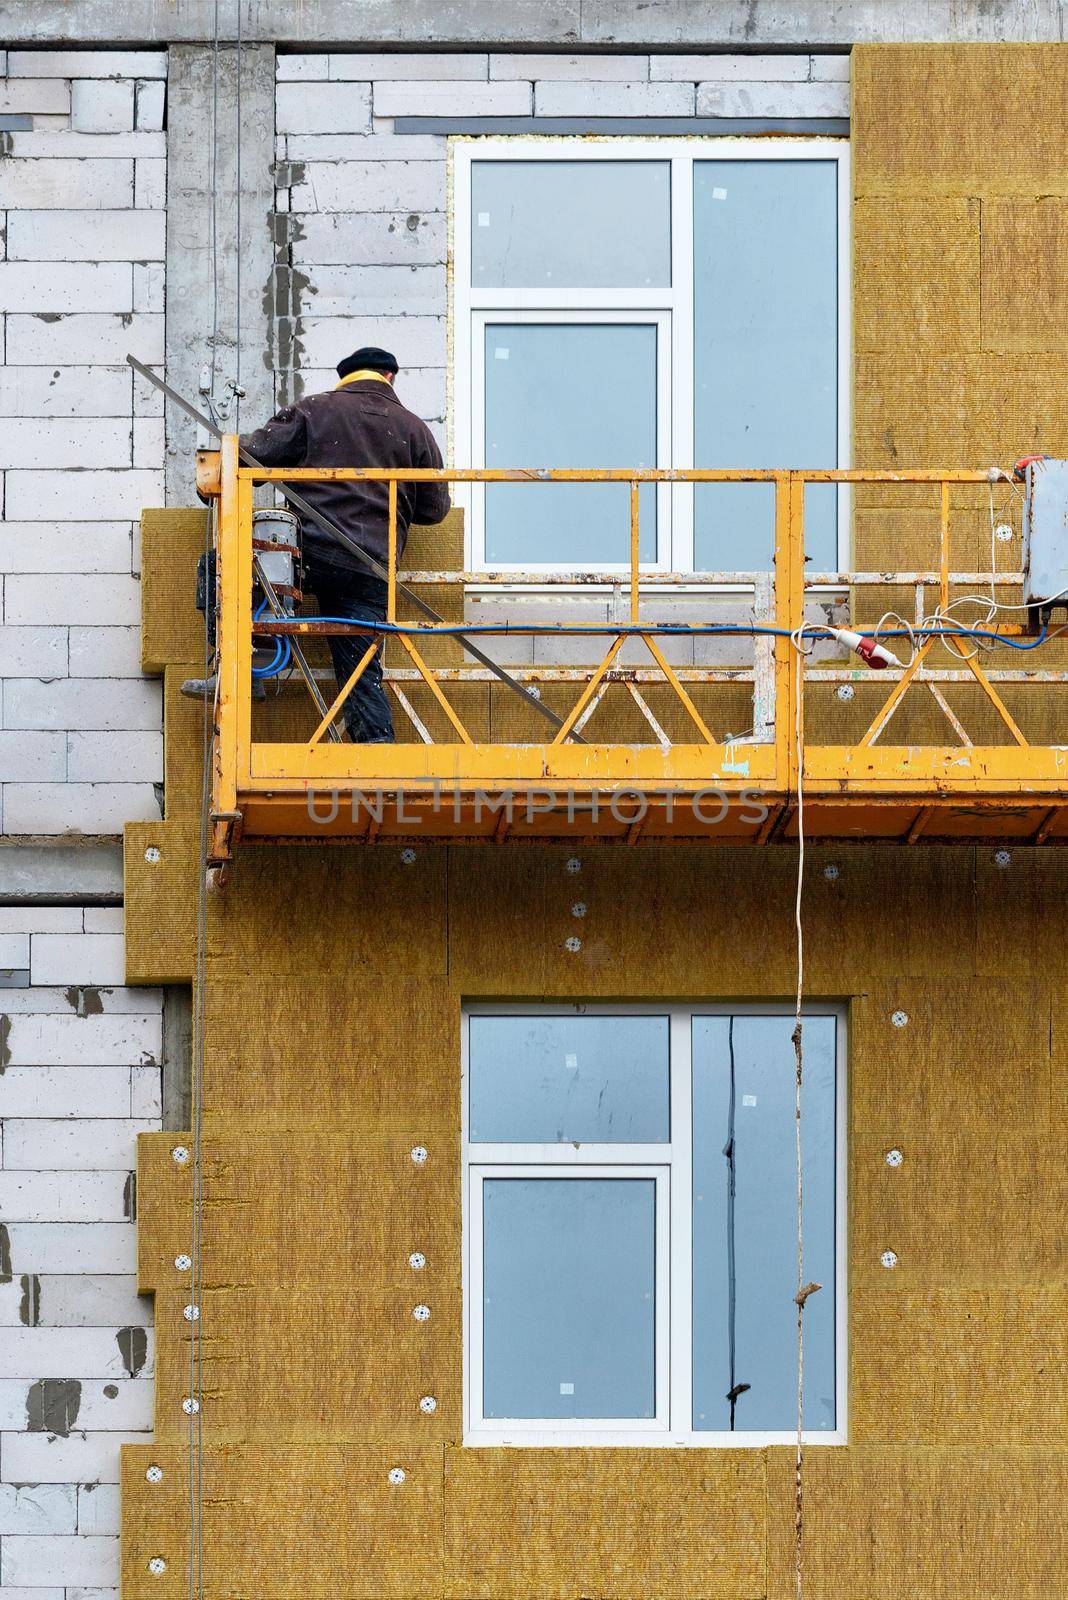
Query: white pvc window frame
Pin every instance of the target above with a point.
(523, 1431)
(671, 1164)
(471, 306)
(660, 321)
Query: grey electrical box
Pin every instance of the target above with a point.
(1045, 536)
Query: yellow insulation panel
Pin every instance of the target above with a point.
(921, 261)
(345, 1032)
(287, 1522)
(183, 741)
(392, 910)
(604, 1524)
(313, 1364)
(305, 1209)
(967, 1523)
(172, 629)
(960, 1211)
(1025, 287)
(959, 1366)
(960, 120)
(159, 905)
(950, 1056)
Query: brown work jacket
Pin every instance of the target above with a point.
(361, 424)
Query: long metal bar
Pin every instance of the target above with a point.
(991, 693)
(635, 546)
(646, 711)
(391, 592)
(764, 663)
(589, 691)
(951, 716)
(705, 675)
(598, 474)
(224, 797)
(314, 625)
(895, 697)
(789, 615)
(242, 570)
(943, 541)
(435, 689)
(279, 477)
(741, 580)
(344, 692)
(672, 678)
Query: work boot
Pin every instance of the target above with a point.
(200, 688)
(204, 688)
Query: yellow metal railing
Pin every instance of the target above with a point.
(252, 774)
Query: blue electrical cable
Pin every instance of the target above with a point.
(283, 651)
(746, 629)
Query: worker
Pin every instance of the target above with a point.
(359, 423)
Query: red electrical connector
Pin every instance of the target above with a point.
(1019, 469)
(868, 649)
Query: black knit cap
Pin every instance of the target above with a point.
(371, 357)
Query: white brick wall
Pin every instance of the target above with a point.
(367, 206)
(81, 1078)
(613, 99)
(81, 445)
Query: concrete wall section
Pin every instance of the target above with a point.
(79, 1079)
(81, 445)
(593, 23)
(219, 251)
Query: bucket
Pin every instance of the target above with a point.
(276, 542)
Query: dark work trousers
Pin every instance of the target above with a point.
(343, 594)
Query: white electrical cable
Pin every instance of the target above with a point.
(797, 639)
(989, 604)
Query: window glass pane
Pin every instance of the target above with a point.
(745, 1245)
(562, 1080)
(570, 224)
(569, 395)
(765, 350)
(569, 1284)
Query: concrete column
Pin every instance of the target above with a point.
(243, 264)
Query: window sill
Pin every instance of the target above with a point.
(546, 1439)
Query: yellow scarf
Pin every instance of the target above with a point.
(361, 376)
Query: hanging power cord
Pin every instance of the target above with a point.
(800, 1298)
(804, 1290)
